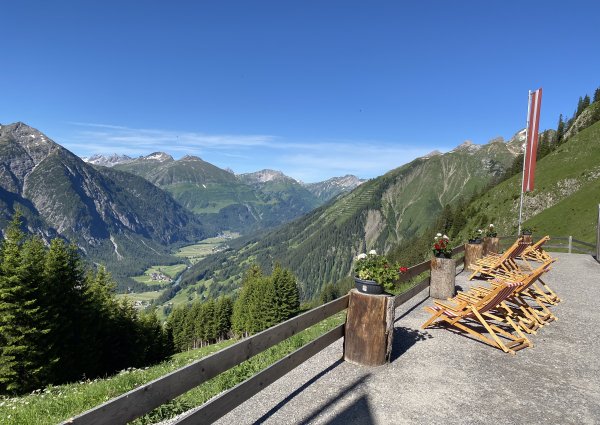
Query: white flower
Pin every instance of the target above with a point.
(491, 225)
(372, 252)
(445, 237)
(480, 231)
(361, 256)
(438, 235)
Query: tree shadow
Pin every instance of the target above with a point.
(404, 338)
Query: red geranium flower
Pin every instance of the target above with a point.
(403, 269)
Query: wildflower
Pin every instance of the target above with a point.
(439, 235)
(361, 256)
(372, 252)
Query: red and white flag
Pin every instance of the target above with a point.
(533, 126)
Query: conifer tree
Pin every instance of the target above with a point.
(597, 95)
(560, 130)
(223, 313)
(22, 355)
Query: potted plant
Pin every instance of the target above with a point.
(441, 246)
(491, 231)
(373, 273)
(476, 236)
(527, 230)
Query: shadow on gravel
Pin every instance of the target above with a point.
(404, 338)
(298, 391)
(358, 413)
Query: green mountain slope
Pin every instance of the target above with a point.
(223, 200)
(114, 217)
(565, 199)
(320, 246)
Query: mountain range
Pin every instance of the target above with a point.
(131, 213)
(113, 217)
(379, 214)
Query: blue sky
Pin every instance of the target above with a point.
(313, 88)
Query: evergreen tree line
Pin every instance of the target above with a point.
(60, 322)
(263, 301)
(201, 323)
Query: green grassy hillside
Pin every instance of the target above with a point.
(566, 196)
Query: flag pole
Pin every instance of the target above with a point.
(524, 158)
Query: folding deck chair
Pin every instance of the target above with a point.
(506, 262)
(460, 312)
(528, 317)
(535, 252)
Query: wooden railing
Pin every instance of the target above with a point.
(147, 397)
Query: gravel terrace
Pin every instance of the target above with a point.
(437, 376)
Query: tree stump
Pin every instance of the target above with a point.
(527, 238)
(473, 251)
(491, 246)
(369, 329)
(443, 278)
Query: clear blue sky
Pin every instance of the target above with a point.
(313, 88)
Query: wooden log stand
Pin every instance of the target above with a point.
(442, 284)
(473, 251)
(491, 246)
(369, 329)
(527, 238)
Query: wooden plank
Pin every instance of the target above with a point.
(227, 401)
(143, 399)
(582, 251)
(590, 245)
(415, 271)
(407, 295)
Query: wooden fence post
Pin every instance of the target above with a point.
(570, 243)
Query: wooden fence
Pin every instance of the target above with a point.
(147, 397)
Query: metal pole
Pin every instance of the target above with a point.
(524, 156)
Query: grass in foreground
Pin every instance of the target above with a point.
(58, 403)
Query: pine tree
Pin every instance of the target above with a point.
(291, 295)
(560, 130)
(22, 354)
(597, 95)
(223, 312)
(586, 102)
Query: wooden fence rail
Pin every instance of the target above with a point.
(145, 398)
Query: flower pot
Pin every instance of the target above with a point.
(476, 240)
(442, 255)
(368, 286)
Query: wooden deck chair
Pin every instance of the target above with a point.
(459, 313)
(528, 317)
(535, 252)
(539, 289)
(506, 262)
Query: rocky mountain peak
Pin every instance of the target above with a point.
(108, 160)
(36, 144)
(158, 156)
(431, 154)
(266, 175)
(191, 158)
(467, 145)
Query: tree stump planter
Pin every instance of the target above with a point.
(527, 237)
(442, 284)
(491, 245)
(369, 329)
(473, 251)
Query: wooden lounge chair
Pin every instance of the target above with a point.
(459, 313)
(505, 262)
(528, 317)
(535, 252)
